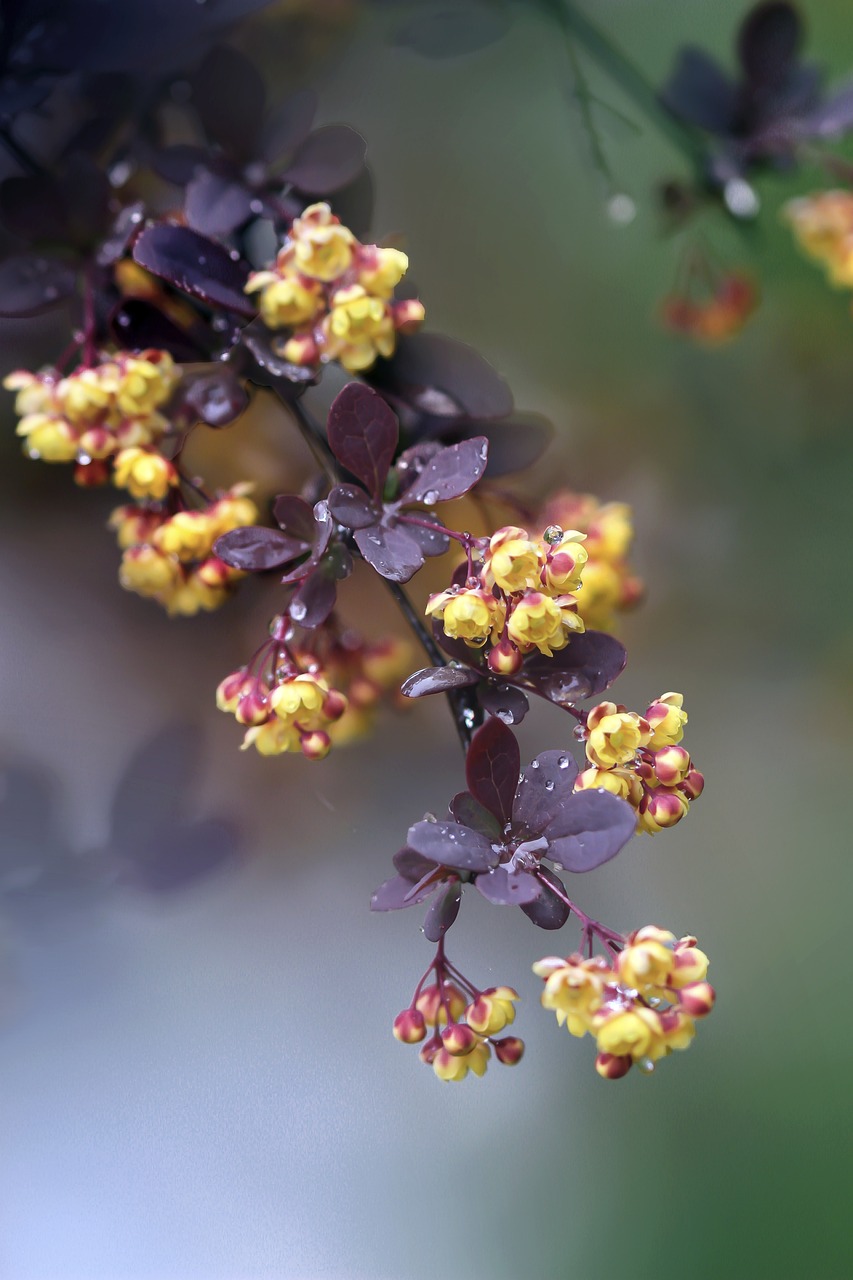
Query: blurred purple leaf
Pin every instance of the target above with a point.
(396, 893)
(31, 207)
(176, 857)
(287, 125)
(491, 768)
(328, 159)
(589, 664)
(32, 283)
(253, 549)
(122, 232)
(442, 911)
(428, 362)
(699, 92)
(151, 793)
(228, 94)
(313, 601)
(768, 42)
(139, 324)
(178, 163)
(218, 396)
(191, 262)
(412, 865)
(216, 204)
(437, 680)
(363, 434)
(452, 845)
(353, 204)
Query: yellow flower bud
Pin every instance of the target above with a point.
(492, 1011)
(538, 622)
(382, 270)
(84, 396)
(564, 564)
(323, 249)
(300, 699)
(357, 329)
(145, 383)
(648, 963)
(189, 535)
(513, 562)
(288, 303)
(628, 1032)
(614, 735)
(51, 439)
(144, 474)
(662, 807)
(271, 739)
(620, 781)
(149, 572)
(667, 720)
(468, 613)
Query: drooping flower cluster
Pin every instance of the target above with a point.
(335, 294)
(823, 227)
(713, 315)
(365, 673)
(464, 1023)
(522, 597)
(101, 411)
(639, 759)
(639, 1005)
(609, 586)
(168, 556)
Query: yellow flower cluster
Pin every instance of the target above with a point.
(715, 316)
(639, 759)
(823, 226)
(457, 1047)
(523, 599)
(94, 413)
(639, 1007)
(293, 712)
(169, 558)
(609, 586)
(335, 294)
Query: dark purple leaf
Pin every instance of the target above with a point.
(590, 829)
(508, 888)
(453, 32)
(228, 94)
(31, 207)
(178, 163)
(296, 517)
(195, 264)
(396, 893)
(271, 370)
(545, 787)
(442, 911)
(85, 196)
(833, 117)
(216, 204)
(175, 857)
(139, 324)
(432, 542)
(548, 911)
(427, 362)
(437, 680)
(491, 768)
(286, 126)
(322, 533)
(514, 443)
(313, 601)
(218, 397)
(151, 794)
(452, 845)
(451, 472)
(327, 160)
(699, 92)
(363, 434)
(589, 664)
(412, 866)
(351, 506)
(470, 813)
(392, 552)
(768, 42)
(253, 549)
(123, 230)
(503, 700)
(31, 284)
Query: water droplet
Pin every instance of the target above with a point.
(563, 762)
(646, 1066)
(256, 206)
(120, 172)
(83, 458)
(234, 255)
(553, 534)
(123, 320)
(136, 216)
(468, 717)
(220, 323)
(579, 732)
(431, 497)
(374, 540)
(298, 610)
(740, 198)
(504, 713)
(534, 764)
(549, 784)
(621, 209)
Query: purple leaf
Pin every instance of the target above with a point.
(216, 204)
(271, 370)
(437, 680)
(152, 790)
(217, 397)
(412, 866)
(138, 324)
(491, 768)
(699, 92)
(451, 472)
(504, 701)
(396, 893)
(253, 549)
(322, 534)
(589, 664)
(123, 230)
(313, 601)
(470, 813)
(327, 160)
(548, 911)
(590, 829)
(31, 284)
(363, 435)
(442, 911)
(287, 125)
(768, 42)
(31, 207)
(833, 117)
(178, 163)
(191, 262)
(508, 888)
(351, 506)
(228, 94)
(452, 845)
(175, 857)
(296, 517)
(545, 786)
(432, 542)
(392, 552)
(427, 362)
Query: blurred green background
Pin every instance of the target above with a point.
(207, 1086)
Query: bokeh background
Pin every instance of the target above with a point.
(204, 1084)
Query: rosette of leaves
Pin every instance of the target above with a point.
(364, 436)
(255, 154)
(508, 835)
(774, 102)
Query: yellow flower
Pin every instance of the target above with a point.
(823, 225)
(573, 990)
(619, 780)
(452, 1067)
(648, 960)
(271, 739)
(662, 807)
(468, 613)
(86, 396)
(627, 1031)
(357, 329)
(286, 303)
(513, 562)
(381, 270)
(492, 1011)
(49, 438)
(145, 382)
(149, 572)
(189, 535)
(667, 720)
(538, 622)
(323, 249)
(614, 735)
(134, 525)
(144, 474)
(564, 563)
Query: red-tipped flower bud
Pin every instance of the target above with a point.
(693, 785)
(611, 1066)
(459, 1039)
(315, 745)
(504, 659)
(697, 999)
(409, 1026)
(509, 1051)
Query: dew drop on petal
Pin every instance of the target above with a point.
(563, 762)
(534, 764)
(298, 610)
(553, 533)
(646, 1066)
(549, 784)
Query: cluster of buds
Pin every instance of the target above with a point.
(365, 673)
(715, 315)
(823, 227)
(334, 294)
(640, 759)
(522, 599)
(639, 1005)
(284, 706)
(609, 586)
(168, 557)
(456, 1046)
(99, 412)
